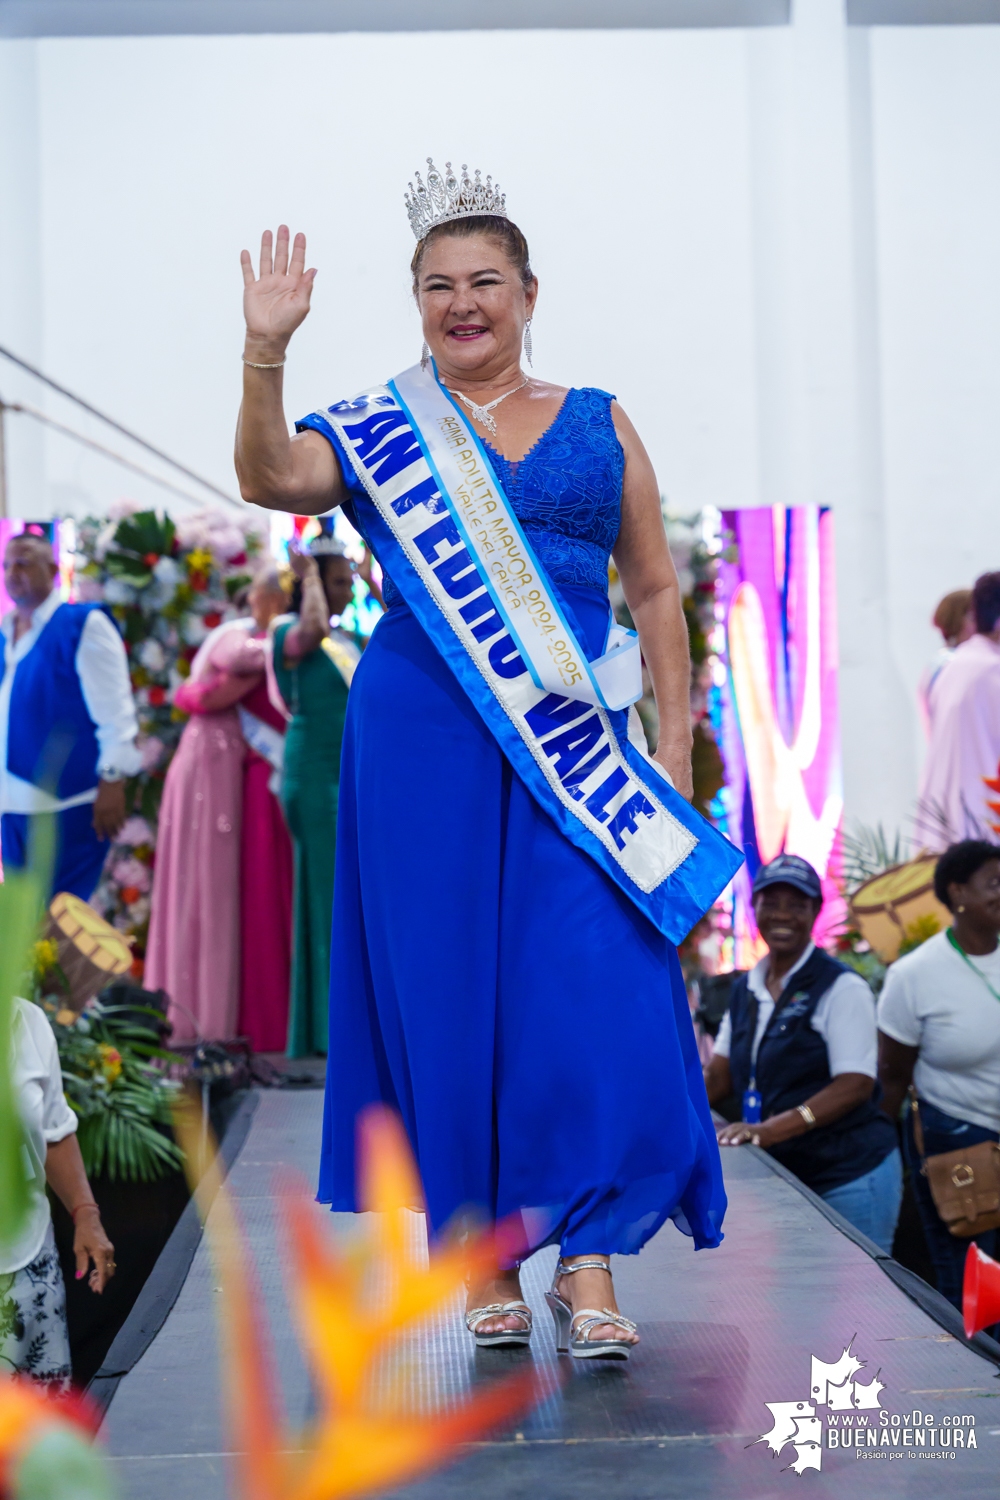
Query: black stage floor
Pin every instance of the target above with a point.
(723, 1332)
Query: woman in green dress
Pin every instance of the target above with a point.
(313, 665)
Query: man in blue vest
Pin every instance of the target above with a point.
(799, 1046)
(67, 721)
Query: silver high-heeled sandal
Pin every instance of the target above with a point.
(575, 1341)
(478, 1315)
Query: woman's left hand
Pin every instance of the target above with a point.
(91, 1244)
(677, 764)
(302, 563)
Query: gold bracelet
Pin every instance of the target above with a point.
(254, 366)
(807, 1115)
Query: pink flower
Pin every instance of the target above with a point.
(151, 750)
(132, 873)
(136, 830)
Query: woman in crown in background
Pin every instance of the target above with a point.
(511, 866)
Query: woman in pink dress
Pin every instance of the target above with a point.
(193, 950)
(266, 865)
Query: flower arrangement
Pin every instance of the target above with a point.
(123, 895)
(108, 1058)
(168, 584)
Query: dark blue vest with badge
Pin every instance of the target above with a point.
(792, 1065)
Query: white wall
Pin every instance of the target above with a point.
(778, 248)
(624, 159)
(21, 298)
(936, 99)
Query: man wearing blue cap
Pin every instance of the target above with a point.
(800, 1047)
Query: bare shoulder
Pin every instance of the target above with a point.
(638, 467)
(627, 435)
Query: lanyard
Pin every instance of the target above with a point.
(953, 940)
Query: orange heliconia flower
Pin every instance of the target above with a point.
(354, 1308)
(993, 782)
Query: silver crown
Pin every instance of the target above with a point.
(448, 197)
(326, 545)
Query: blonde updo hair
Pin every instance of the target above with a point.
(506, 234)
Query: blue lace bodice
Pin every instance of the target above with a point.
(566, 492)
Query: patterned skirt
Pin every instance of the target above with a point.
(34, 1339)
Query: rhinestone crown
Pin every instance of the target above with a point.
(448, 197)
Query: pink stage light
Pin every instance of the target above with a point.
(778, 706)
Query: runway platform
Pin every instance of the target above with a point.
(723, 1332)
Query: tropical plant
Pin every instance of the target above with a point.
(122, 1100)
(918, 932)
(853, 951)
(110, 1057)
(866, 852)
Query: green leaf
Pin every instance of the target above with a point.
(131, 569)
(145, 532)
(21, 896)
(237, 581)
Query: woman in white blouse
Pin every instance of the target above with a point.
(33, 1334)
(939, 1029)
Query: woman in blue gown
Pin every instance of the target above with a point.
(489, 980)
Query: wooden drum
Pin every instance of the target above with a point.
(898, 909)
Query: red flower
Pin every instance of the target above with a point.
(157, 696)
(198, 581)
(151, 559)
(212, 619)
(130, 893)
(138, 968)
(238, 560)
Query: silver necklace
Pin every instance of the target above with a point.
(482, 413)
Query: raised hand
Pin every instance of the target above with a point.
(276, 301)
(301, 562)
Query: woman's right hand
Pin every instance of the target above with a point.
(276, 301)
(92, 1248)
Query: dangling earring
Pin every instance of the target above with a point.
(527, 341)
(960, 908)
(425, 356)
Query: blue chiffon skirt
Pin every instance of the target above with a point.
(494, 986)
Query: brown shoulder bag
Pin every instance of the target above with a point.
(965, 1185)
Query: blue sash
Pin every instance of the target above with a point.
(442, 527)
